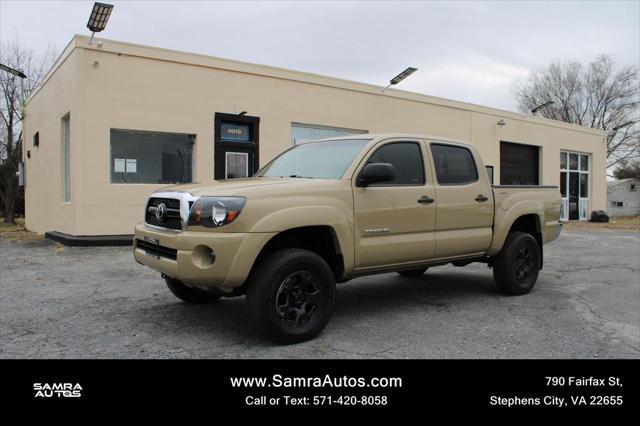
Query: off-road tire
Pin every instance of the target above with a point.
(516, 267)
(287, 288)
(190, 294)
(413, 272)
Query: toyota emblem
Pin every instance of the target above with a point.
(161, 211)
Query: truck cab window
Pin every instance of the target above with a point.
(454, 165)
(407, 160)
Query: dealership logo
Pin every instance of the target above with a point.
(161, 211)
(57, 390)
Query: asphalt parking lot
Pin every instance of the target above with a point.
(62, 302)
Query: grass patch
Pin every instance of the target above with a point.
(17, 231)
(626, 222)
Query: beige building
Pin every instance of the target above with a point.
(113, 122)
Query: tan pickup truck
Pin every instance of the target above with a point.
(327, 211)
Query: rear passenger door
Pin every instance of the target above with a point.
(395, 220)
(464, 212)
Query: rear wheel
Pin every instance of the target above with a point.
(516, 267)
(291, 295)
(413, 272)
(190, 294)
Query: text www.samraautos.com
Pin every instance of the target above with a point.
(280, 381)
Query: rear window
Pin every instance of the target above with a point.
(454, 164)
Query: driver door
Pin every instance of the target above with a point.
(395, 221)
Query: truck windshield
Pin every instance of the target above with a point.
(322, 159)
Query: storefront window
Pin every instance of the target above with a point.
(309, 132)
(151, 157)
(584, 163)
(584, 185)
(490, 173)
(66, 158)
(573, 161)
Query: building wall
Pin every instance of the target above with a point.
(44, 206)
(124, 86)
(620, 192)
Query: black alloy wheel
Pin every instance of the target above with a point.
(291, 294)
(524, 264)
(516, 267)
(297, 299)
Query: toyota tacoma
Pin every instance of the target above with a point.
(324, 212)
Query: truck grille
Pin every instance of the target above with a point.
(170, 217)
(156, 250)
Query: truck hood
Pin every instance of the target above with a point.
(238, 186)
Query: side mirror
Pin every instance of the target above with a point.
(376, 172)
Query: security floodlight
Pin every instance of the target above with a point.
(17, 73)
(98, 18)
(13, 71)
(539, 107)
(404, 74)
(622, 126)
(398, 78)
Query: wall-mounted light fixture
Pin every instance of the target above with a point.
(99, 18)
(622, 126)
(17, 73)
(539, 107)
(398, 78)
(501, 123)
(242, 113)
(615, 129)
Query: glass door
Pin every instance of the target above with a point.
(574, 185)
(236, 165)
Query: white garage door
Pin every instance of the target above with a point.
(309, 132)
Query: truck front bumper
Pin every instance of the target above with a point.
(202, 259)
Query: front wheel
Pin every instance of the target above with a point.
(291, 295)
(516, 267)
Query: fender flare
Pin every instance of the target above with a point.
(316, 215)
(506, 219)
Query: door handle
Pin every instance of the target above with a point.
(481, 198)
(425, 199)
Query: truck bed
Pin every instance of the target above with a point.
(512, 201)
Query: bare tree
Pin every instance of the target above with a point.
(598, 95)
(13, 91)
(627, 169)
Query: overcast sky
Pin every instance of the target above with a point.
(470, 51)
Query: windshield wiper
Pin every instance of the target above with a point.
(301, 177)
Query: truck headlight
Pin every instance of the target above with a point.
(213, 212)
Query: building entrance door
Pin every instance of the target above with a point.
(236, 146)
(573, 196)
(574, 185)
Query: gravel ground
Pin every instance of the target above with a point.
(61, 302)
